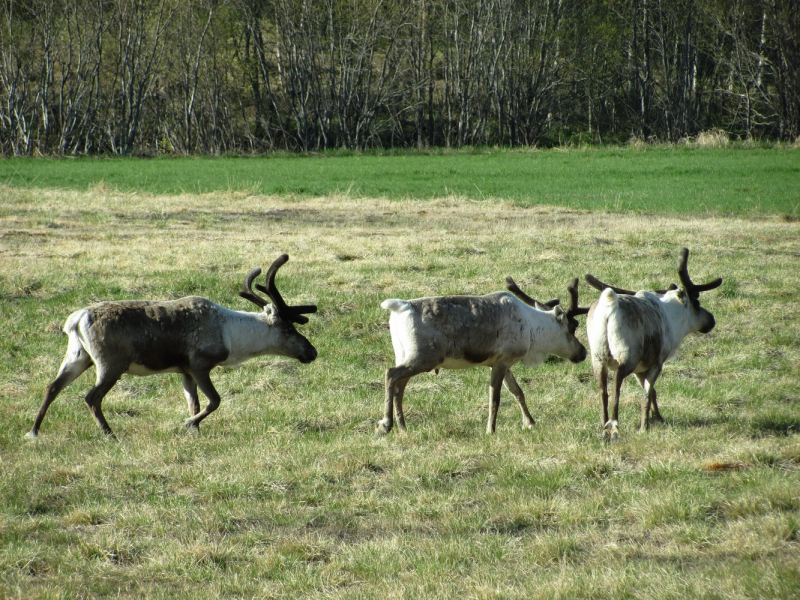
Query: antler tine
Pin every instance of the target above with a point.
(512, 287)
(574, 309)
(270, 290)
(711, 285)
(247, 288)
(599, 285)
(293, 313)
(683, 273)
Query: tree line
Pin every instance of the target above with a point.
(222, 76)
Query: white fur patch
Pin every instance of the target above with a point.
(396, 305)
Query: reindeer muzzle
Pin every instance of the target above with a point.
(308, 356)
(580, 356)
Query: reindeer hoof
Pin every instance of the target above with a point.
(31, 436)
(611, 432)
(382, 428)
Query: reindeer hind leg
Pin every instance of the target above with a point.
(649, 407)
(611, 428)
(396, 380)
(399, 391)
(76, 361)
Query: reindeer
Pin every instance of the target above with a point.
(637, 332)
(189, 336)
(458, 332)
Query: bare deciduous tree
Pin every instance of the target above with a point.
(152, 76)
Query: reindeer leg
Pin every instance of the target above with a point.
(400, 389)
(516, 391)
(106, 379)
(203, 381)
(602, 384)
(644, 410)
(384, 426)
(655, 415)
(495, 386)
(190, 391)
(648, 380)
(611, 428)
(75, 362)
(396, 381)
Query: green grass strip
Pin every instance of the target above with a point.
(666, 180)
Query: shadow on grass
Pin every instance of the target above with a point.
(774, 424)
(769, 424)
(694, 421)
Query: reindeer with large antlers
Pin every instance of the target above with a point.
(457, 332)
(637, 332)
(189, 336)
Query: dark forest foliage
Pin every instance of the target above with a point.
(219, 76)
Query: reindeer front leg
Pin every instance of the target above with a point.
(190, 391)
(106, 379)
(203, 380)
(516, 391)
(495, 386)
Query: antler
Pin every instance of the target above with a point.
(574, 310)
(599, 285)
(292, 313)
(512, 287)
(247, 289)
(683, 273)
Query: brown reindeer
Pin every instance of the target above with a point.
(190, 336)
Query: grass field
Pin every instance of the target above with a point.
(661, 180)
(285, 492)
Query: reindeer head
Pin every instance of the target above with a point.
(693, 291)
(688, 294)
(279, 314)
(577, 350)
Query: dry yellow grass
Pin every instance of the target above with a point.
(286, 494)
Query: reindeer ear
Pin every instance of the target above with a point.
(273, 315)
(682, 295)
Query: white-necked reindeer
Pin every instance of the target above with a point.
(637, 332)
(457, 332)
(189, 336)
